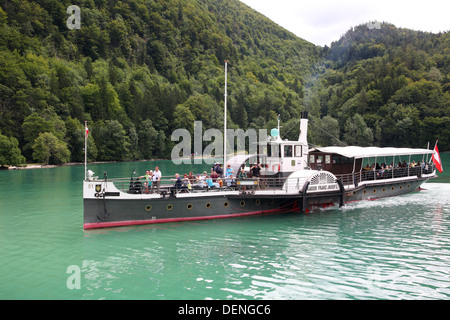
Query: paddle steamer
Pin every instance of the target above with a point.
(293, 178)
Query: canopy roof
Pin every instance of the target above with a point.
(366, 152)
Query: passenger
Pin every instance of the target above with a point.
(230, 181)
(177, 185)
(201, 179)
(229, 172)
(177, 179)
(242, 175)
(191, 177)
(218, 169)
(186, 181)
(148, 179)
(214, 176)
(256, 170)
(156, 180)
(209, 182)
(380, 173)
(213, 168)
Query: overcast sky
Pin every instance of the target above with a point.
(324, 21)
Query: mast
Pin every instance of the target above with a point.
(278, 119)
(225, 124)
(86, 131)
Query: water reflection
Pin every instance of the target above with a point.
(386, 251)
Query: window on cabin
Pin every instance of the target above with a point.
(288, 151)
(312, 158)
(298, 151)
(274, 151)
(336, 159)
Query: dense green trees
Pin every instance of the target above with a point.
(9, 151)
(396, 79)
(47, 148)
(137, 70)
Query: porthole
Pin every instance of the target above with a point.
(148, 207)
(401, 187)
(208, 205)
(257, 202)
(242, 203)
(169, 207)
(190, 206)
(374, 190)
(408, 185)
(365, 191)
(384, 189)
(226, 204)
(393, 188)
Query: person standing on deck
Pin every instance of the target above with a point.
(229, 171)
(148, 180)
(156, 179)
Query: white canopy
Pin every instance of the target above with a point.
(366, 152)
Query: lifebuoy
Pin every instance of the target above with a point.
(276, 166)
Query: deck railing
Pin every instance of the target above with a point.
(384, 174)
(167, 185)
(128, 185)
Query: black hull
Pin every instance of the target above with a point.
(111, 211)
(372, 192)
(115, 212)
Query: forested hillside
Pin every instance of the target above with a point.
(138, 69)
(386, 86)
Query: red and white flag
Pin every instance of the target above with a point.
(87, 131)
(437, 158)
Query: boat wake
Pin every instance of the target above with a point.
(430, 194)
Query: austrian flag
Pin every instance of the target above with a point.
(87, 131)
(437, 158)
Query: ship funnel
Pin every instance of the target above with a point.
(303, 137)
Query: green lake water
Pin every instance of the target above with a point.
(393, 248)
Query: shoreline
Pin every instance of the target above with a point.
(46, 166)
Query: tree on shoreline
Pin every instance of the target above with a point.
(9, 151)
